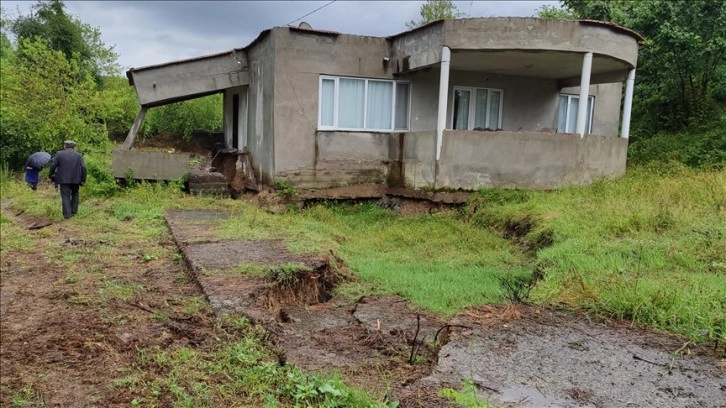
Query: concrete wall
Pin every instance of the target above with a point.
(539, 34)
(344, 158)
(302, 154)
(473, 160)
(261, 108)
(184, 79)
(418, 48)
(149, 165)
(423, 46)
(419, 159)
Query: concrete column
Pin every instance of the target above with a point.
(627, 104)
(134, 129)
(443, 98)
(584, 93)
(228, 117)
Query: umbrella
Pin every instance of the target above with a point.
(38, 159)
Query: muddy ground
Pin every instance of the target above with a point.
(71, 351)
(515, 355)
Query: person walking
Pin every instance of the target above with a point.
(31, 176)
(68, 169)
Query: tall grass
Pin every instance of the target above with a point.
(649, 247)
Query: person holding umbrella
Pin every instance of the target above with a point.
(35, 162)
(68, 169)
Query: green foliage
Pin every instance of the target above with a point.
(27, 397)
(49, 23)
(121, 105)
(245, 369)
(50, 85)
(286, 189)
(183, 119)
(647, 247)
(433, 10)
(100, 181)
(699, 148)
(681, 75)
(47, 99)
(287, 274)
(437, 261)
(466, 397)
(554, 13)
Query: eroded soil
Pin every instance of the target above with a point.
(69, 349)
(61, 347)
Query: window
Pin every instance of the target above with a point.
(477, 108)
(567, 113)
(363, 104)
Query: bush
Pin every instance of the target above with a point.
(100, 182)
(702, 147)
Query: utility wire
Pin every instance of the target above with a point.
(319, 8)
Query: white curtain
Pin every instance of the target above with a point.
(480, 109)
(351, 103)
(327, 103)
(494, 107)
(572, 116)
(380, 105)
(562, 114)
(461, 109)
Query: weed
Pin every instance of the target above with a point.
(286, 189)
(466, 397)
(516, 287)
(27, 397)
(287, 274)
(115, 288)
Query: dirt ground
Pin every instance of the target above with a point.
(71, 350)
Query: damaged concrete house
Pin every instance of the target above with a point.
(453, 105)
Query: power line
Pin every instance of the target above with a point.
(319, 8)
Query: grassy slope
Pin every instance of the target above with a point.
(648, 247)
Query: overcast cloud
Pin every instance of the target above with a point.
(151, 32)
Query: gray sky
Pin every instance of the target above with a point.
(152, 32)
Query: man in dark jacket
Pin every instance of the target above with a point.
(68, 169)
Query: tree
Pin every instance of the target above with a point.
(554, 13)
(433, 10)
(681, 76)
(46, 99)
(49, 22)
(183, 119)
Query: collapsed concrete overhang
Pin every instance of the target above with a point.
(190, 78)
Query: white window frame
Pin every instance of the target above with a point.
(590, 112)
(336, 101)
(472, 105)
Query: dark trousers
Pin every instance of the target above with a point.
(69, 198)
